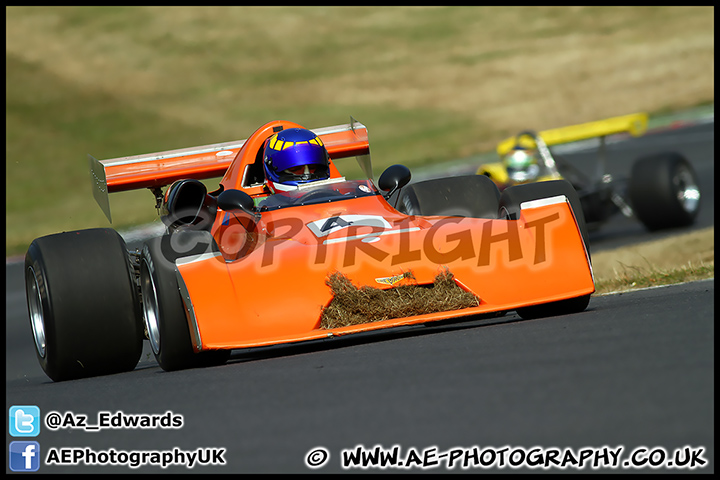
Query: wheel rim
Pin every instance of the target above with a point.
(688, 193)
(151, 314)
(37, 317)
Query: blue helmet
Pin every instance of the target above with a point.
(294, 156)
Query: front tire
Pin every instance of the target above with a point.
(473, 196)
(664, 191)
(163, 308)
(513, 196)
(83, 305)
(510, 201)
(561, 307)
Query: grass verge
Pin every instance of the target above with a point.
(638, 277)
(682, 258)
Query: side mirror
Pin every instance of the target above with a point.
(394, 178)
(233, 200)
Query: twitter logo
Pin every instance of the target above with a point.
(24, 421)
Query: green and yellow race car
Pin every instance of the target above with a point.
(661, 192)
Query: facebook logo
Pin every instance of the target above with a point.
(24, 456)
(24, 421)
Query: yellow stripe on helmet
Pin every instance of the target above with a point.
(276, 144)
(272, 142)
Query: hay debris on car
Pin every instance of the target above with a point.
(352, 305)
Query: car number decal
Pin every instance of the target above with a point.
(326, 226)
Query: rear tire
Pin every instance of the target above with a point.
(83, 304)
(664, 191)
(163, 308)
(466, 196)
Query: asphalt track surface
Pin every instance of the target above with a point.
(634, 371)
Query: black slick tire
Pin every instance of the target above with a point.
(510, 201)
(466, 196)
(163, 308)
(83, 304)
(663, 191)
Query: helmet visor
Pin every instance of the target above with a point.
(304, 173)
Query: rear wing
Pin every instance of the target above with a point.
(634, 124)
(155, 170)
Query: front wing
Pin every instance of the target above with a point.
(508, 264)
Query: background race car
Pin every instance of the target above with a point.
(661, 191)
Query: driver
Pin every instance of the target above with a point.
(294, 157)
(521, 165)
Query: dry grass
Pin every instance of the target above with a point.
(502, 68)
(681, 258)
(352, 305)
(635, 277)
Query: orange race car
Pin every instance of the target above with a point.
(288, 250)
